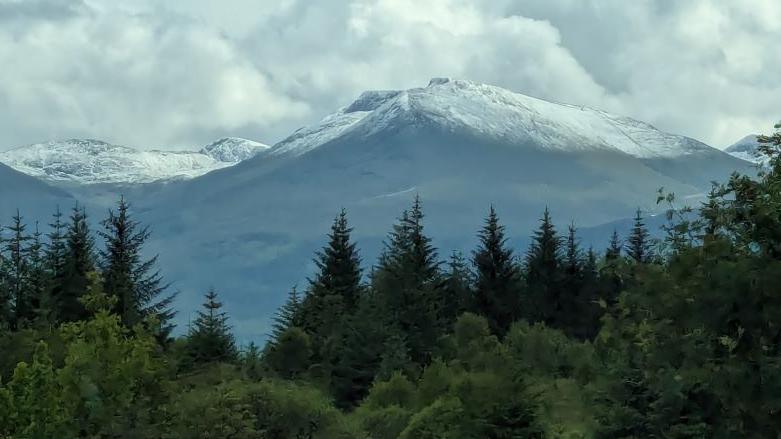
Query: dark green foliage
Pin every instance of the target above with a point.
(290, 355)
(497, 277)
(614, 249)
(457, 293)
(336, 288)
(210, 338)
(79, 260)
(289, 315)
(544, 275)
(409, 285)
(136, 284)
(638, 246)
(16, 273)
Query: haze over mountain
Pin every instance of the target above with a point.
(747, 149)
(88, 161)
(250, 226)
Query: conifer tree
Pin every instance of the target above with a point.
(17, 271)
(410, 284)
(210, 338)
(56, 249)
(288, 315)
(543, 274)
(38, 277)
(638, 246)
(614, 248)
(497, 278)
(336, 288)
(79, 261)
(457, 291)
(136, 284)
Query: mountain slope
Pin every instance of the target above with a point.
(34, 199)
(461, 145)
(747, 149)
(86, 161)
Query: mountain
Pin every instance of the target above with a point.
(34, 199)
(747, 149)
(88, 162)
(250, 230)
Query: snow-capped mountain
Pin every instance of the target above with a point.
(461, 145)
(495, 113)
(747, 149)
(87, 161)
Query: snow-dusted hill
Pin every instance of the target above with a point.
(747, 149)
(493, 113)
(86, 161)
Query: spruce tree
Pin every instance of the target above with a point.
(410, 284)
(638, 246)
(497, 277)
(71, 284)
(544, 274)
(136, 284)
(56, 249)
(210, 338)
(38, 278)
(18, 272)
(287, 316)
(457, 291)
(614, 248)
(336, 288)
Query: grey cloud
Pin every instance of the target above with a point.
(151, 73)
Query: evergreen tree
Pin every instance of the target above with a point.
(288, 316)
(38, 277)
(71, 284)
(614, 248)
(497, 278)
(638, 247)
(56, 249)
(410, 284)
(210, 338)
(457, 291)
(17, 272)
(135, 283)
(335, 290)
(544, 274)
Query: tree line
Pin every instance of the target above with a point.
(679, 337)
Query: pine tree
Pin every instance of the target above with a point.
(57, 248)
(543, 274)
(638, 247)
(135, 283)
(497, 278)
(335, 290)
(17, 272)
(210, 339)
(38, 278)
(71, 284)
(614, 249)
(457, 291)
(288, 316)
(410, 284)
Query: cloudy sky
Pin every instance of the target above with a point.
(179, 74)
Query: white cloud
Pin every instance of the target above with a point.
(150, 73)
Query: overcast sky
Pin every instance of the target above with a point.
(178, 74)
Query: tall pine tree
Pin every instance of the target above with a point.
(210, 338)
(17, 272)
(288, 316)
(638, 246)
(544, 274)
(71, 284)
(457, 294)
(136, 284)
(336, 288)
(409, 284)
(498, 286)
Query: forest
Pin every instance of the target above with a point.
(677, 337)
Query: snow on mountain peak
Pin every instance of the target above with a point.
(233, 149)
(492, 112)
(89, 161)
(747, 149)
